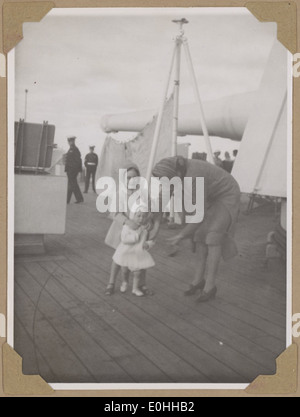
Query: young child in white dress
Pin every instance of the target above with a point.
(132, 254)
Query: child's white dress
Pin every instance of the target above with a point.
(130, 252)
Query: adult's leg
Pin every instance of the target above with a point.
(202, 251)
(212, 265)
(219, 222)
(93, 179)
(70, 187)
(211, 234)
(87, 180)
(114, 270)
(77, 192)
(198, 281)
(142, 278)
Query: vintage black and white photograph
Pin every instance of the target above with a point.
(150, 197)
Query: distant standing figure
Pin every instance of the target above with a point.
(200, 155)
(72, 168)
(90, 163)
(234, 153)
(227, 163)
(218, 161)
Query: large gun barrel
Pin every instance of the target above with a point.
(226, 117)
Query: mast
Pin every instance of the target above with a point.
(179, 41)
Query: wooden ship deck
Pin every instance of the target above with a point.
(68, 331)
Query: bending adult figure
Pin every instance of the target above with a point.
(214, 235)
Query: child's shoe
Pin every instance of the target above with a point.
(138, 293)
(206, 296)
(110, 289)
(124, 286)
(146, 291)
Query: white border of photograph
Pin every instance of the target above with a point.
(11, 204)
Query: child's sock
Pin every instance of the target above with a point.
(124, 286)
(135, 287)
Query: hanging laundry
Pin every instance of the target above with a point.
(139, 149)
(115, 154)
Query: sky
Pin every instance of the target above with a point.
(79, 67)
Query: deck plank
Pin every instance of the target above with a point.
(209, 342)
(69, 331)
(90, 355)
(214, 309)
(203, 323)
(124, 353)
(258, 294)
(33, 361)
(132, 334)
(64, 363)
(146, 313)
(157, 335)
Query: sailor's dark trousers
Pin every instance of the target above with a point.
(73, 187)
(90, 172)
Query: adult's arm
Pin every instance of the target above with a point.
(189, 229)
(66, 161)
(77, 158)
(156, 224)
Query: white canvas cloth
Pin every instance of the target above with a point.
(261, 163)
(139, 149)
(113, 157)
(114, 154)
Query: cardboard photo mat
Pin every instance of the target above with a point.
(13, 14)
